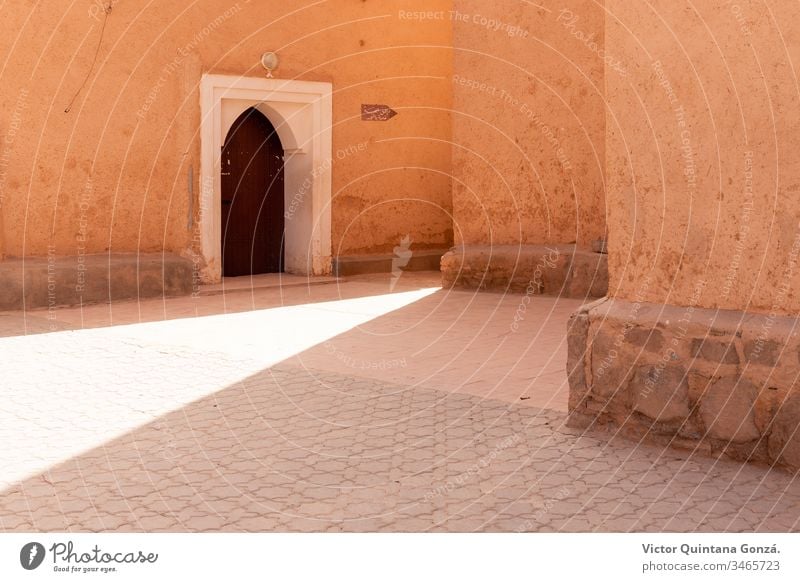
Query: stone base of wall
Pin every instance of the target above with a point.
(725, 383)
(552, 270)
(41, 282)
(417, 260)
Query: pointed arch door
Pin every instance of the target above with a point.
(252, 197)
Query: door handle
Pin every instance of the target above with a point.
(225, 173)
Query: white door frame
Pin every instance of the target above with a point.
(302, 114)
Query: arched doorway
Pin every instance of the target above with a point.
(252, 176)
(302, 113)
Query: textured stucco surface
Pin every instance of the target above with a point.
(113, 170)
(528, 125)
(702, 180)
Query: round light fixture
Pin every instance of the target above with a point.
(270, 62)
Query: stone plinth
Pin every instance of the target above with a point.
(76, 280)
(416, 260)
(722, 382)
(534, 269)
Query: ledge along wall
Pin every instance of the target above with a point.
(111, 174)
(697, 344)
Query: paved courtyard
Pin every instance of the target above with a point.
(358, 405)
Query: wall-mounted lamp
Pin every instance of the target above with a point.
(270, 62)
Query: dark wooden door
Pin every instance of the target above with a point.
(252, 197)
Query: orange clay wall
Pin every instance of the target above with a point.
(111, 174)
(528, 122)
(703, 168)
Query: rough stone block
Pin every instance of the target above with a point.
(661, 393)
(715, 351)
(611, 371)
(577, 331)
(698, 384)
(763, 352)
(651, 340)
(784, 439)
(766, 404)
(727, 410)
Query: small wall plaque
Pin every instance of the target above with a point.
(376, 112)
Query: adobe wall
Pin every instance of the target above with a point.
(528, 122)
(697, 345)
(702, 181)
(528, 144)
(111, 174)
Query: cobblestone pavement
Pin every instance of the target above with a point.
(254, 421)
